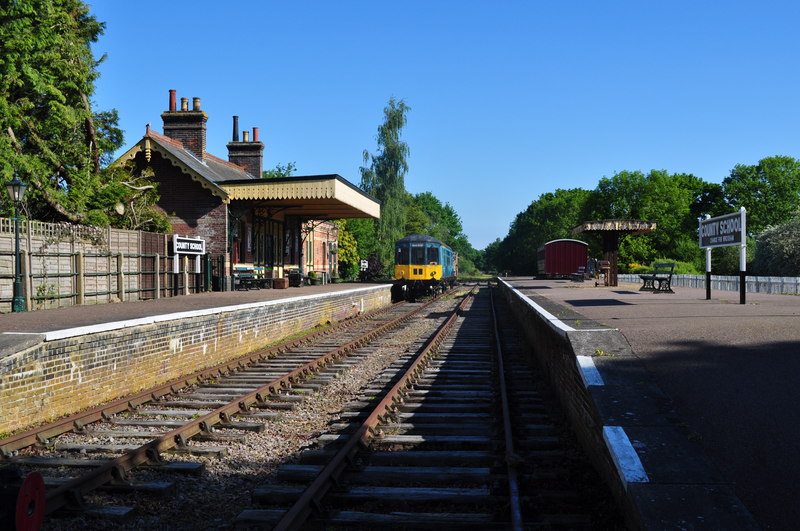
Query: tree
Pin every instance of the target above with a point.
(769, 190)
(778, 250)
(279, 171)
(551, 216)
(673, 201)
(49, 132)
(347, 250)
(384, 178)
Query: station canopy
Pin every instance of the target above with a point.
(618, 226)
(610, 231)
(314, 197)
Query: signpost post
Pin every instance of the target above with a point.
(723, 231)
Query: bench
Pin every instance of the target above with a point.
(580, 276)
(660, 280)
(247, 278)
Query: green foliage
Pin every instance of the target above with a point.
(425, 214)
(769, 190)
(347, 250)
(725, 260)
(279, 171)
(49, 132)
(778, 250)
(550, 217)
(384, 178)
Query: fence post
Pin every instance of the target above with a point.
(157, 283)
(81, 280)
(27, 281)
(121, 277)
(185, 274)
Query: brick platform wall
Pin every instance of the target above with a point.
(62, 376)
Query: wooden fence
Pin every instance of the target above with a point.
(64, 265)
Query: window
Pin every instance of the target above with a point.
(417, 254)
(433, 255)
(402, 255)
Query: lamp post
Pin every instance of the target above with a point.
(16, 191)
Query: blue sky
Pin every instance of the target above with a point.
(509, 99)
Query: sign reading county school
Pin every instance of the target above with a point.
(723, 230)
(181, 245)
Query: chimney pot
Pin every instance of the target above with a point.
(184, 104)
(255, 134)
(196, 104)
(235, 129)
(172, 100)
(246, 136)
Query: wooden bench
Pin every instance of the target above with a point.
(247, 278)
(660, 280)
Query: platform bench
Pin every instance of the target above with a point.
(580, 276)
(247, 279)
(660, 280)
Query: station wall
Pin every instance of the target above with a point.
(79, 368)
(627, 426)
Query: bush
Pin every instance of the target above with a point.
(681, 268)
(778, 250)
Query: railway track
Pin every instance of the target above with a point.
(457, 433)
(61, 467)
(440, 450)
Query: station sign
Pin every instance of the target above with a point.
(723, 230)
(182, 245)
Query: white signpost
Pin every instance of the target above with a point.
(723, 231)
(190, 246)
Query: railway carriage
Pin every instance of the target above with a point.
(423, 266)
(561, 258)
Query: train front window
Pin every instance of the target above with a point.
(417, 254)
(402, 255)
(433, 255)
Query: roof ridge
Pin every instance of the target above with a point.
(164, 138)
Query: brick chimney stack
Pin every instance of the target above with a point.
(185, 126)
(249, 155)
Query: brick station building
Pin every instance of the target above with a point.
(248, 223)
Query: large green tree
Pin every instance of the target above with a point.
(426, 214)
(549, 217)
(49, 132)
(383, 177)
(769, 190)
(673, 201)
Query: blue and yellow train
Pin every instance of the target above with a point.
(423, 266)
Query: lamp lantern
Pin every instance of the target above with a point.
(16, 192)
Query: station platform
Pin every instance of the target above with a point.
(731, 370)
(24, 329)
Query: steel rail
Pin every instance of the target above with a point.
(511, 457)
(75, 422)
(296, 516)
(71, 493)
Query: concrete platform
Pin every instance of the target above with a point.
(731, 371)
(25, 329)
(56, 362)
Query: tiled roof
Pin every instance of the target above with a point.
(212, 168)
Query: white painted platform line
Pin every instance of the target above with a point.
(554, 321)
(549, 317)
(118, 325)
(589, 372)
(625, 457)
